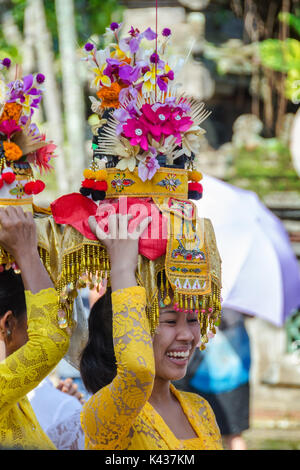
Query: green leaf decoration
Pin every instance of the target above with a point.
(291, 20)
(281, 56)
(17, 191)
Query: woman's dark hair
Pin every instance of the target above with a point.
(98, 362)
(12, 296)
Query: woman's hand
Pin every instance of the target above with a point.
(17, 232)
(69, 387)
(122, 247)
(19, 238)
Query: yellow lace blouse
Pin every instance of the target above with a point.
(23, 370)
(119, 415)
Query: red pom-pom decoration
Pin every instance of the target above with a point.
(1, 183)
(34, 187)
(94, 188)
(100, 186)
(195, 190)
(196, 187)
(87, 183)
(38, 187)
(28, 188)
(8, 177)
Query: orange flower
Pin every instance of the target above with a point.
(127, 60)
(109, 96)
(11, 111)
(12, 151)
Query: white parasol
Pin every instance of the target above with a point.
(260, 272)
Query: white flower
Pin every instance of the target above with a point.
(125, 163)
(96, 105)
(191, 141)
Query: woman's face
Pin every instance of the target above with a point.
(174, 342)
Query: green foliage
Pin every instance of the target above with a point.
(91, 17)
(17, 9)
(7, 50)
(291, 20)
(264, 168)
(283, 56)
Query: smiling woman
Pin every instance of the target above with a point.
(175, 340)
(129, 371)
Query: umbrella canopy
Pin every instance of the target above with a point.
(260, 272)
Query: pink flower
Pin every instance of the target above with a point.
(137, 131)
(148, 168)
(9, 127)
(180, 123)
(42, 156)
(158, 121)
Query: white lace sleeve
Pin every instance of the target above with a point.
(68, 434)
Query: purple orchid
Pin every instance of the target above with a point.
(129, 74)
(149, 34)
(123, 114)
(148, 168)
(134, 32)
(132, 42)
(124, 71)
(129, 93)
(112, 68)
(161, 83)
(19, 89)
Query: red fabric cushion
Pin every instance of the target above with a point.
(74, 209)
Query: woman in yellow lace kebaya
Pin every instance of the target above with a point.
(135, 406)
(33, 342)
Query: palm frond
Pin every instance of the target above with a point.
(28, 141)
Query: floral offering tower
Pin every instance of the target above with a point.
(24, 150)
(145, 139)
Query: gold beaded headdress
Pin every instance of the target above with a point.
(145, 136)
